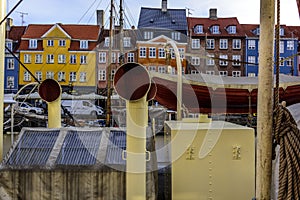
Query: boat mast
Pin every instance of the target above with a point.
(108, 101)
(121, 34)
(2, 55)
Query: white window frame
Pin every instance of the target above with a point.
(61, 58)
(39, 58)
(27, 58)
(26, 76)
(39, 75)
(236, 44)
(72, 76)
(193, 71)
(251, 75)
(102, 57)
(223, 73)
(152, 68)
(210, 72)
(223, 62)
(10, 64)
(130, 57)
(175, 35)
(198, 29)
(113, 57)
(73, 58)
(236, 60)
(127, 42)
(210, 61)
(195, 43)
(49, 75)
(83, 59)
(215, 29)
(251, 60)
(62, 43)
(281, 61)
(82, 77)
(195, 61)
(102, 75)
(236, 73)
(161, 53)
(223, 44)
(148, 35)
(10, 82)
(152, 52)
(281, 47)
(289, 62)
(210, 43)
(232, 29)
(181, 53)
(32, 43)
(84, 44)
(142, 52)
(9, 45)
(50, 58)
(50, 43)
(61, 76)
(251, 44)
(162, 69)
(290, 45)
(112, 74)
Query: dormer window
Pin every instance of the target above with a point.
(215, 29)
(127, 42)
(257, 31)
(83, 44)
(33, 43)
(231, 29)
(198, 29)
(106, 42)
(9, 45)
(281, 31)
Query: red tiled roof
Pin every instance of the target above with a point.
(248, 28)
(222, 22)
(36, 30)
(16, 32)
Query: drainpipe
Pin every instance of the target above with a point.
(50, 91)
(132, 82)
(2, 55)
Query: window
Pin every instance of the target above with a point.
(102, 57)
(251, 74)
(38, 58)
(194, 72)
(289, 62)
(102, 74)
(148, 35)
(26, 76)
(61, 76)
(195, 61)
(143, 52)
(83, 59)
(223, 44)
(72, 77)
(251, 60)
(10, 64)
(50, 75)
(106, 42)
(33, 43)
(39, 75)
(50, 58)
(152, 68)
(73, 59)
(10, 82)
(195, 43)
(9, 45)
(223, 73)
(231, 29)
(281, 61)
(251, 44)
(281, 47)
(175, 35)
(198, 29)
(84, 44)
(210, 43)
(161, 53)
(210, 72)
(152, 52)
(162, 69)
(290, 45)
(126, 42)
(236, 73)
(210, 61)
(223, 60)
(27, 58)
(82, 77)
(130, 57)
(62, 43)
(215, 29)
(236, 60)
(181, 52)
(236, 44)
(50, 43)
(61, 58)
(281, 31)
(112, 75)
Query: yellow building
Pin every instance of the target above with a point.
(65, 53)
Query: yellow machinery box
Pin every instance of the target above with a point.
(211, 160)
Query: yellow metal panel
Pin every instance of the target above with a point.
(226, 172)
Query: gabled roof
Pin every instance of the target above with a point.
(249, 29)
(174, 19)
(16, 32)
(222, 22)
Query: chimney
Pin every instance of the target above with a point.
(100, 17)
(164, 5)
(9, 24)
(213, 13)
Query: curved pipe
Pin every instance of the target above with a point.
(50, 91)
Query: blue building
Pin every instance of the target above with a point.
(11, 64)
(288, 50)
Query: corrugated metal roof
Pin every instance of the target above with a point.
(79, 148)
(116, 145)
(173, 19)
(33, 148)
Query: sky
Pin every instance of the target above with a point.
(84, 11)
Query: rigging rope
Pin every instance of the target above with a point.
(287, 135)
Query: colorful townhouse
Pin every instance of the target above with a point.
(157, 26)
(62, 52)
(11, 64)
(288, 48)
(216, 45)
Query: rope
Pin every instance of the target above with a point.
(287, 135)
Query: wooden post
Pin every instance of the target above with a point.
(265, 100)
(2, 55)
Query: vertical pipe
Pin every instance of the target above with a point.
(265, 100)
(2, 55)
(136, 120)
(54, 113)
